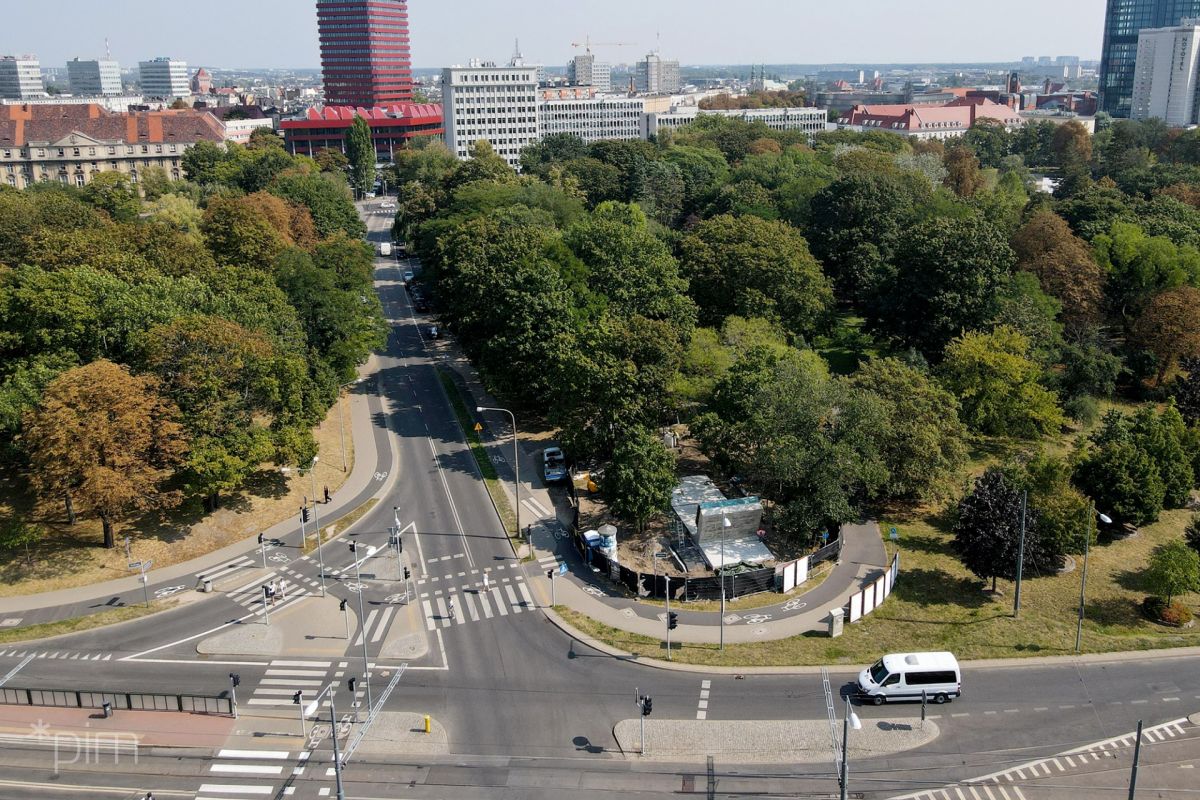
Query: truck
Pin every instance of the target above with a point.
(554, 465)
(385, 248)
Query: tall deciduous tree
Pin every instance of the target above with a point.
(1063, 264)
(1174, 569)
(987, 530)
(1169, 327)
(105, 440)
(963, 175)
(360, 150)
(639, 479)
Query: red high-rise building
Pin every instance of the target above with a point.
(364, 52)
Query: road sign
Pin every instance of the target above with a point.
(478, 427)
(135, 565)
(562, 568)
(146, 565)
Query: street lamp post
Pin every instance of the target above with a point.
(1087, 549)
(1020, 558)
(316, 522)
(850, 720)
(516, 464)
(362, 620)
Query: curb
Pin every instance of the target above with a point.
(992, 663)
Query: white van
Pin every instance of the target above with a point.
(385, 248)
(904, 676)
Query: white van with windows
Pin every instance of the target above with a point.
(904, 676)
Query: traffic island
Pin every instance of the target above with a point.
(313, 627)
(767, 741)
(404, 732)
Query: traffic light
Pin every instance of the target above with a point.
(342, 605)
(647, 705)
(354, 547)
(550, 574)
(350, 684)
(399, 543)
(304, 511)
(260, 538)
(407, 573)
(297, 697)
(235, 679)
(672, 621)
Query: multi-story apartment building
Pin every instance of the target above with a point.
(580, 112)
(656, 76)
(95, 78)
(492, 103)
(165, 78)
(20, 78)
(1123, 21)
(1165, 79)
(365, 58)
(74, 143)
(585, 70)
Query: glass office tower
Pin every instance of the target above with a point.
(1122, 22)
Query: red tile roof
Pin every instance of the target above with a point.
(958, 113)
(21, 124)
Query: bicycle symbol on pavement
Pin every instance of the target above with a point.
(380, 476)
(355, 587)
(592, 590)
(167, 591)
(756, 619)
(279, 558)
(395, 598)
(793, 605)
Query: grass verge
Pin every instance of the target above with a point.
(938, 605)
(486, 467)
(328, 531)
(78, 624)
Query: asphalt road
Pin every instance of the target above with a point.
(530, 712)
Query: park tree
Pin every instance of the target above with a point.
(112, 192)
(1169, 327)
(1063, 264)
(1174, 569)
(1071, 145)
(360, 151)
(1140, 266)
(996, 381)
(327, 198)
(946, 280)
(1192, 534)
(331, 160)
(963, 176)
(1062, 510)
(1121, 476)
(105, 442)
(924, 442)
(747, 266)
(1186, 391)
(987, 531)
(639, 479)
(237, 232)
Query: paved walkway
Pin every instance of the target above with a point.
(862, 561)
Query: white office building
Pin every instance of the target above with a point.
(656, 76)
(1165, 78)
(95, 78)
(585, 70)
(493, 103)
(591, 118)
(165, 78)
(20, 78)
(809, 120)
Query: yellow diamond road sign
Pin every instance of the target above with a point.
(478, 427)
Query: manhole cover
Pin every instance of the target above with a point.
(627, 612)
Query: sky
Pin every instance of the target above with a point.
(283, 33)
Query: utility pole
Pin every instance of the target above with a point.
(1137, 754)
(362, 620)
(1020, 558)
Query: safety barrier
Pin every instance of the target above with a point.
(864, 602)
(119, 701)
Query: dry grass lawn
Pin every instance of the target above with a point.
(70, 556)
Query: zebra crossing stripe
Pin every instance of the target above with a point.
(512, 597)
(469, 599)
(429, 623)
(443, 614)
(485, 605)
(498, 599)
(381, 627)
(525, 594)
(363, 630)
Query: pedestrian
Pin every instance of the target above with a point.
(149, 795)
(485, 581)
(272, 590)
(451, 608)
(327, 494)
(283, 590)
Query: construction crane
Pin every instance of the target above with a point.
(587, 44)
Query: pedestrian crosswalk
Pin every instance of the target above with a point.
(538, 510)
(376, 625)
(476, 603)
(56, 655)
(1007, 784)
(284, 678)
(549, 561)
(225, 570)
(245, 774)
(250, 596)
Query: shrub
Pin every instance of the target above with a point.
(1083, 409)
(1176, 614)
(1153, 607)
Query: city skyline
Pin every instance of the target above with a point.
(262, 35)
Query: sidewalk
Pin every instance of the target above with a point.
(345, 500)
(863, 558)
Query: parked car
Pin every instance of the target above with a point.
(408, 277)
(554, 465)
(433, 332)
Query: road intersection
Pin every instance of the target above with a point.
(519, 708)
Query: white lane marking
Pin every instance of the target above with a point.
(365, 626)
(469, 600)
(525, 594)
(429, 622)
(485, 605)
(453, 508)
(284, 691)
(288, 682)
(247, 769)
(234, 788)
(297, 673)
(535, 508)
(443, 613)
(313, 664)
(381, 626)
(498, 599)
(512, 597)
(267, 755)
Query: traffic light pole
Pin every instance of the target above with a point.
(669, 618)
